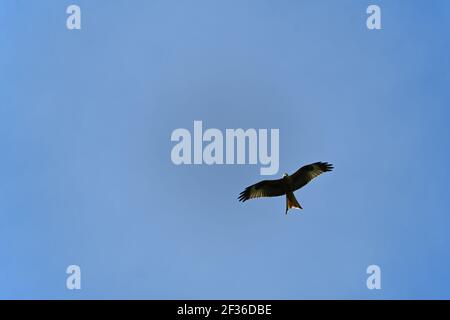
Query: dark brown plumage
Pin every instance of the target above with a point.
(286, 185)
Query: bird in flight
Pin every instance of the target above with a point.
(286, 185)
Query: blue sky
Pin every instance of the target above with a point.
(86, 175)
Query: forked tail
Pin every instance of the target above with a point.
(291, 202)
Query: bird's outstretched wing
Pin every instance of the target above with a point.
(265, 188)
(306, 173)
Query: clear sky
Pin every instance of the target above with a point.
(86, 176)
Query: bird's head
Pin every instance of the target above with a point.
(285, 175)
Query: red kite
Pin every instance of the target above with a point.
(286, 185)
